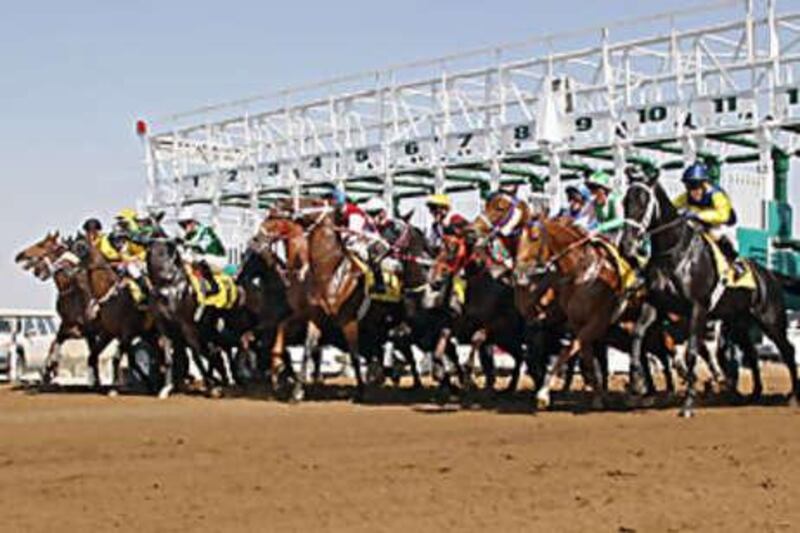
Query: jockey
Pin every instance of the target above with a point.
(708, 204)
(355, 222)
(93, 230)
(204, 249)
(381, 224)
(606, 205)
(578, 206)
(445, 222)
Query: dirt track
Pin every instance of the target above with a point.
(79, 461)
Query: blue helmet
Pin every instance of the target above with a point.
(581, 191)
(338, 196)
(695, 174)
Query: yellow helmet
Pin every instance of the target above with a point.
(127, 214)
(439, 200)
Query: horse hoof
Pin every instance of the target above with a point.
(215, 393)
(298, 394)
(648, 401)
(543, 402)
(793, 401)
(113, 393)
(165, 392)
(597, 404)
(686, 413)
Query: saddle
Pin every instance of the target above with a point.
(391, 281)
(626, 273)
(226, 298)
(725, 270)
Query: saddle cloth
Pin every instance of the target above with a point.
(133, 287)
(225, 298)
(725, 270)
(627, 275)
(394, 287)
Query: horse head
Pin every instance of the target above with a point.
(503, 214)
(646, 207)
(38, 257)
(164, 263)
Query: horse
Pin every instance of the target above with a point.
(326, 282)
(590, 293)
(488, 316)
(51, 258)
(175, 307)
(117, 315)
(681, 277)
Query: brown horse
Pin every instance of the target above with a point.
(590, 292)
(326, 282)
(116, 313)
(51, 258)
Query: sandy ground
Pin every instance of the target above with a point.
(71, 462)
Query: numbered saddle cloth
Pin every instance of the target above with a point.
(133, 287)
(725, 270)
(627, 274)
(225, 298)
(391, 281)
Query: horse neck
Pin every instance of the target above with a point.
(325, 249)
(101, 276)
(670, 237)
(559, 239)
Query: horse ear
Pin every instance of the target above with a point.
(407, 217)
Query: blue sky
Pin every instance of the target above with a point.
(75, 75)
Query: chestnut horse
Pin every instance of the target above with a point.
(590, 292)
(52, 258)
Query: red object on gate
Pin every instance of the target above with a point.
(141, 127)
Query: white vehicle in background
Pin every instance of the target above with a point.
(25, 340)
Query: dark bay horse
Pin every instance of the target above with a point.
(117, 315)
(488, 316)
(174, 305)
(682, 277)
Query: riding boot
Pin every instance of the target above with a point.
(141, 281)
(213, 286)
(380, 286)
(727, 249)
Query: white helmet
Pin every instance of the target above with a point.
(186, 215)
(375, 205)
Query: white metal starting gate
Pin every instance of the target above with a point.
(720, 80)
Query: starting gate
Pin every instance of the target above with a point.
(719, 83)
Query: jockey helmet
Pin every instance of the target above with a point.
(695, 175)
(185, 216)
(338, 196)
(375, 205)
(644, 169)
(127, 214)
(599, 179)
(92, 224)
(579, 192)
(439, 200)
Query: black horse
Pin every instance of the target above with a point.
(174, 306)
(681, 277)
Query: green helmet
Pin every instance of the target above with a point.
(599, 179)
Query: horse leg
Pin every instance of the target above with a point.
(594, 372)
(776, 332)
(350, 330)
(486, 358)
(404, 346)
(566, 354)
(313, 334)
(167, 354)
(124, 347)
(648, 315)
(95, 349)
(741, 336)
(697, 328)
(476, 346)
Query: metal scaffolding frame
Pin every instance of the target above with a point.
(536, 112)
